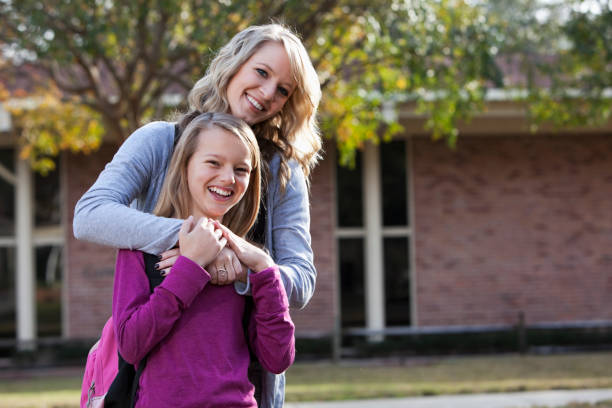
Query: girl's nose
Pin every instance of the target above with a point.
(227, 175)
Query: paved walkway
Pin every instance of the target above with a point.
(501, 400)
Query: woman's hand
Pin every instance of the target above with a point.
(226, 268)
(201, 242)
(256, 259)
(167, 260)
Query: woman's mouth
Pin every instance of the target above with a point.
(255, 104)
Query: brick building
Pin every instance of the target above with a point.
(417, 236)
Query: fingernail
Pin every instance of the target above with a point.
(162, 273)
(157, 267)
(159, 257)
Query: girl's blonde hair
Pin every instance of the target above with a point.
(175, 199)
(293, 132)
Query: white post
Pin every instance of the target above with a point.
(25, 276)
(374, 266)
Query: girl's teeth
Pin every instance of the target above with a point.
(220, 192)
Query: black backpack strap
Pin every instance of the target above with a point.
(121, 386)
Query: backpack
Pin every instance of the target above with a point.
(109, 381)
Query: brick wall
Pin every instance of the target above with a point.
(509, 224)
(318, 316)
(89, 267)
(89, 277)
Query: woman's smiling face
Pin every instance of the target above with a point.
(218, 173)
(263, 84)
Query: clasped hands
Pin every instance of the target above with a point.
(225, 256)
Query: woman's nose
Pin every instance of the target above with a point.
(268, 89)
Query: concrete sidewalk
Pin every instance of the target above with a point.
(501, 400)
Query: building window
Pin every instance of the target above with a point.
(7, 192)
(397, 281)
(47, 249)
(7, 292)
(394, 183)
(391, 163)
(352, 282)
(47, 211)
(49, 290)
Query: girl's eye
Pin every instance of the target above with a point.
(213, 162)
(283, 91)
(243, 170)
(262, 72)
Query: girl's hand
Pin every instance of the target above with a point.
(256, 259)
(226, 268)
(201, 242)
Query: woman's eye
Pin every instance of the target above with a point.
(262, 72)
(283, 91)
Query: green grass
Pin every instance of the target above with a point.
(375, 379)
(452, 375)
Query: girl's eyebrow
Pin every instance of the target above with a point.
(220, 156)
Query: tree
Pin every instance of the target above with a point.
(119, 59)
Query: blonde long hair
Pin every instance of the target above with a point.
(175, 199)
(293, 132)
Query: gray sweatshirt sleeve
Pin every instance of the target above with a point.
(134, 177)
(289, 236)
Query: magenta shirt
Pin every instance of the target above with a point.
(193, 336)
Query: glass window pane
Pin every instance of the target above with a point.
(7, 293)
(49, 290)
(393, 173)
(47, 196)
(7, 195)
(350, 205)
(397, 281)
(351, 282)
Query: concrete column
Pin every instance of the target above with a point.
(25, 279)
(374, 266)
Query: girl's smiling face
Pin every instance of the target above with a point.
(263, 84)
(218, 173)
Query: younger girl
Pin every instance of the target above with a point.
(191, 331)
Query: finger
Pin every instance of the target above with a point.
(170, 253)
(203, 222)
(231, 273)
(238, 268)
(222, 276)
(167, 263)
(214, 274)
(185, 227)
(217, 233)
(231, 241)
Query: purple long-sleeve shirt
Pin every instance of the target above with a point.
(192, 334)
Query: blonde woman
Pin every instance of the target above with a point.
(265, 77)
(213, 177)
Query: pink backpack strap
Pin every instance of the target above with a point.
(101, 368)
